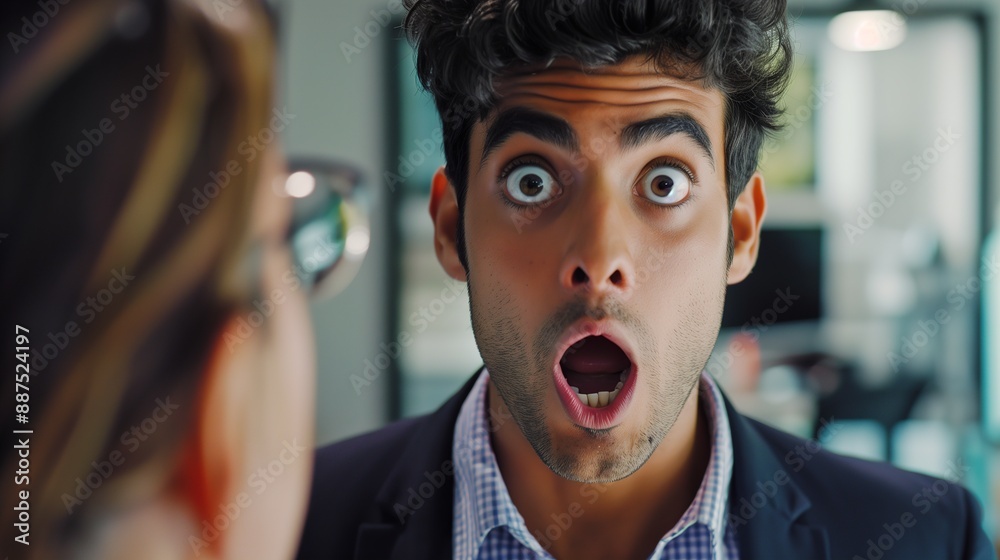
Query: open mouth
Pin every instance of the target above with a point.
(596, 369)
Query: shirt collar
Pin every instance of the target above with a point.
(710, 503)
(483, 504)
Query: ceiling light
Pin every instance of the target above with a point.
(869, 30)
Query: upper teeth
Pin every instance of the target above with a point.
(599, 399)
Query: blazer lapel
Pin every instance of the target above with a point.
(766, 507)
(415, 503)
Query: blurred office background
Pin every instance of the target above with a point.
(875, 308)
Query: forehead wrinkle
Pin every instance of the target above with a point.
(617, 82)
(634, 87)
(702, 99)
(607, 94)
(602, 102)
(633, 66)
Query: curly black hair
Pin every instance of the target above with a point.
(740, 47)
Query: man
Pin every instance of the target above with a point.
(599, 194)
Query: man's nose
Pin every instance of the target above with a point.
(598, 260)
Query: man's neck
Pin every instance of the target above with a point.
(622, 519)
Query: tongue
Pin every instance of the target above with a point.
(594, 364)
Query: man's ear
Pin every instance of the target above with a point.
(444, 214)
(747, 217)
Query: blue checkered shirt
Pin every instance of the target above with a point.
(487, 525)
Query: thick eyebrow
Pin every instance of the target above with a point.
(545, 127)
(658, 128)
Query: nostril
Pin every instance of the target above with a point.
(579, 276)
(616, 278)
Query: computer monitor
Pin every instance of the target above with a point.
(787, 280)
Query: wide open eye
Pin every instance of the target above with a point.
(666, 185)
(529, 185)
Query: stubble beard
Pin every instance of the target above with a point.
(523, 379)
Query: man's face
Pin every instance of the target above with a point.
(596, 224)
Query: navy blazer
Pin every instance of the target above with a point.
(388, 495)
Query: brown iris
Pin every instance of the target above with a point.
(531, 184)
(662, 185)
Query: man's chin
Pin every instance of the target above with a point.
(592, 470)
(593, 458)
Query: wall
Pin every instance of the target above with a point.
(338, 102)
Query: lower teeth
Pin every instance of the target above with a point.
(599, 399)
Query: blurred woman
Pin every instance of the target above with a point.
(145, 260)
